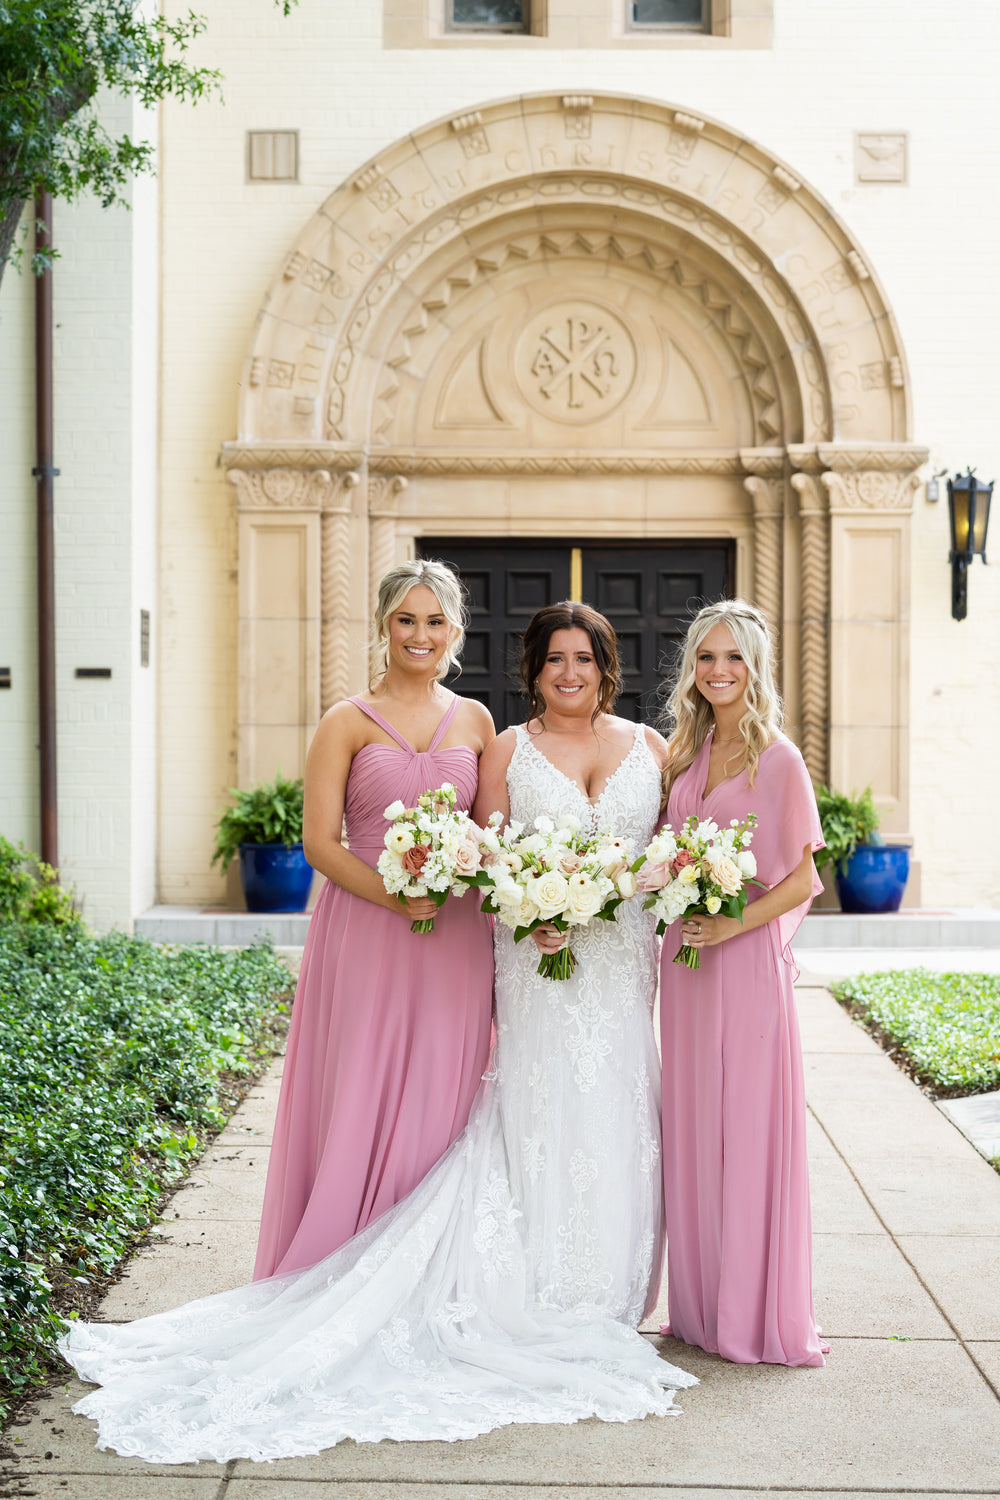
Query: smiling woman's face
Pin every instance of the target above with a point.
(418, 632)
(720, 671)
(570, 679)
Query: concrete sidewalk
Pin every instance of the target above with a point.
(907, 1272)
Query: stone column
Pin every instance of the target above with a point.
(340, 629)
(814, 553)
(765, 484)
(279, 616)
(870, 492)
(384, 494)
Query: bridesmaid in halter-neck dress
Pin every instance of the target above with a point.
(390, 1029)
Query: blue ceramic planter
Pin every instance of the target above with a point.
(876, 878)
(275, 877)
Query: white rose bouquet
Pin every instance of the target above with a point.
(552, 874)
(430, 850)
(703, 870)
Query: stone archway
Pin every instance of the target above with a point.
(586, 305)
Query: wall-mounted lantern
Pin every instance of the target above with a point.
(969, 512)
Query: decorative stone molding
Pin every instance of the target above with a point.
(329, 456)
(768, 496)
(815, 568)
(872, 490)
(585, 461)
(280, 488)
(690, 123)
(335, 590)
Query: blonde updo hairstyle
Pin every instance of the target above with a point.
(393, 588)
(689, 717)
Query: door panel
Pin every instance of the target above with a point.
(649, 593)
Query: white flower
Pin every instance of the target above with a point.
(508, 895)
(746, 864)
(399, 838)
(584, 898)
(626, 884)
(446, 786)
(713, 903)
(567, 820)
(544, 824)
(706, 830)
(662, 849)
(515, 830)
(394, 810)
(611, 853)
(548, 892)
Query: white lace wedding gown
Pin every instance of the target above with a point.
(506, 1288)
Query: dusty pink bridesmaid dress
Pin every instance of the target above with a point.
(390, 1030)
(739, 1238)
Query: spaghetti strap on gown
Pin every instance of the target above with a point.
(507, 1287)
(390, 1029)
(739, 1241)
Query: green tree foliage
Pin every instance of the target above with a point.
(55, 57)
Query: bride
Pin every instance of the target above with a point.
(507, 1287)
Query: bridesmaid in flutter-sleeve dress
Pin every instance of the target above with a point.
(390, 1029)
(734, 1114)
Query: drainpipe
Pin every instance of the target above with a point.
(45, 474)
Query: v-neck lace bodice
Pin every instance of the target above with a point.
(622, 804)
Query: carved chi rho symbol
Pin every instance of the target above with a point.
(575, 360)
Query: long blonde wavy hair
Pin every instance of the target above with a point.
(688, 716)
(393, 588)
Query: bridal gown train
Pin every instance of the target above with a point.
(506, 1287)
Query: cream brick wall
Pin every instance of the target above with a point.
(106, 316)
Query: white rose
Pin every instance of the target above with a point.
(688, 876)
(394, 810)
(713, 903)
(399, 839)
(584, 898)
(746, 864)
(519, 916)
(548, 892)
(626, 884)
(508, 896)
(568, 821)
(544, 825)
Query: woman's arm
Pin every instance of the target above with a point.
(492, 795)
(705, 932)
(335, 744)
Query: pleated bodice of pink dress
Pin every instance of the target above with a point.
(739, 1239)
(390, 1030)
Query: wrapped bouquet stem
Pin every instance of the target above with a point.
(703, 870)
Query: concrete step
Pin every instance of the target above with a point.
(915, 928)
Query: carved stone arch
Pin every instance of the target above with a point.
(395, 343)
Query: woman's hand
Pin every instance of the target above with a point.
(418, 908)
(549, 939)
(705, 932)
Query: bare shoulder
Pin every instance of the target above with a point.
(657, 746)
(496, 756)
(342, 726)
(476, 720)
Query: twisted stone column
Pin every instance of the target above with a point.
(335, 589)
(768, 496)
(384, 493)
(815, 558)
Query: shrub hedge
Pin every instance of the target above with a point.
(114, 1056)
(948, 1025)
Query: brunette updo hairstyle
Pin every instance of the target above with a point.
(535, 647)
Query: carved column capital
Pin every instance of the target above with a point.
(384, 494)
(337, 500)
(280, 489)
(870, 490)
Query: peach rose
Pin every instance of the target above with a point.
(570, 863)
(414, 859)
(466, 858)
(726, 876)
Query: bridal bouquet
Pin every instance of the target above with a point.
(702, 871)
(552, 874)
(430, 850)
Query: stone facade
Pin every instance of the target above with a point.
(705, 303)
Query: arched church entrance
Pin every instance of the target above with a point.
(590, 335)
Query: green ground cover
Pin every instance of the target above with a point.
(947, 1026)
(117, 1060)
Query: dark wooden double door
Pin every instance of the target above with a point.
(648, 590)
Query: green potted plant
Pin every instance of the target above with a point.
(264, 829)
(870, 874)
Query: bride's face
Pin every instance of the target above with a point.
(570, 679)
